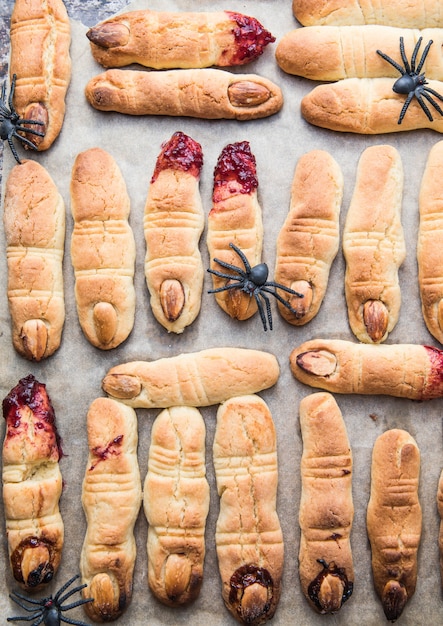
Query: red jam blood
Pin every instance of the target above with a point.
(179, 153)
(250, 40)
(434, 383)
(246, 576)
(43, 573)
(32, 394)
(235, 172)
(104, 452)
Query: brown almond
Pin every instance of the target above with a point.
(177, 575)
(34, 337)
(302, 305)
(317, 362)
(375, 318)
(105, 322)
(172, 299)
(330, 594)
(34, 560)
(38, 112)
(121, 386)
(254, 603)
(109, 35)
(238, 303)
(246, 93)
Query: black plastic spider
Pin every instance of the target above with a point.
(11, 123)
(411, 82)
(253, 281)
(50, 609)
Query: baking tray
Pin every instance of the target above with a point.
(73, 374)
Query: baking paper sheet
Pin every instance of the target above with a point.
(73, 374)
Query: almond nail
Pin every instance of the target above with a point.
(34, 336)
(39, 113)
(301, 305)
(172, 299)
(177, 575)
(109, 35)
(318, 362)
(375, 317)
(121, 386)
(105, 321)
(246, 93)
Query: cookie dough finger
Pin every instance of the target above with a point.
(176, 503)
(166, 40)
(194, 379)
(394, 519)
(202, 93)
(309, 238)
(173, 224)
(248, 536)
(374, 246)
(401, 370)
(366, 106)
(326, 507)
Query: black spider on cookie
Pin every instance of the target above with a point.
(412, 83)
(253, 281)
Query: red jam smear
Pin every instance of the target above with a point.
(250, 40)
(104, 452)
(181, 152)
(235, 171)
(434, 384)
(29, 392)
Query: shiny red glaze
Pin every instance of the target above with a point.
(104, 452)
(32, 394)
(235, 172)
(434, 384)
(179, 153)
(250, 40)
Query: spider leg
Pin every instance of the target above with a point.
(14, 595)
(31, 131)
(261, 311)
(435, 104)
(404, 58)
(392, 62)
(67, 620)
(271, 283)
(405, 107)
(242, 256)
(223, 275)
(424, 107)
(282, 300)
(228, 266)
(63, 588)
(24, 140)
(27, 619)
(268, 308)
(79, 602)
(225, 288)
(424, 55)
(14, 151)
(11, 92)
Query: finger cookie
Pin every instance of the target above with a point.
(202, 93)
(102, 249)
(309, 238)
(194, 379)
(34, 221)
(326, 508)
(40, 40)
(173, 224)
(401, 370)
(374, 246)
(429, 252)
(32, 484)
(235, 218)
(176, 503)
(248, 535)
(164, 40)
(394, 519)
(111, 498)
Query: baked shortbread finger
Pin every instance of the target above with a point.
(102, 249)
(111, 498)
(32, 484)
(374, 245)
(34, 221)
(40, 40)
(164, 40)
(176, 503)
(366, 106)
(173, 224)
(429, 250)
(402, 13)
(202, 93)
(326, 506)
(331, 53)
(235, 217)
(248, 536)
(194, 379)
(394, 519)
(401, 370)
(309, 238)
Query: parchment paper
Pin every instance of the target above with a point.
(73, 375)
